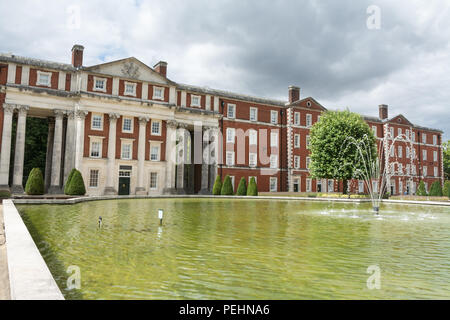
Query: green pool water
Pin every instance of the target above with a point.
(244, 249)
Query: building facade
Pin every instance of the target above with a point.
(131, 130)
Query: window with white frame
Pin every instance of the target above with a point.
(435, 156)
(296, 162)
(96, 148)
(44, 78)
(252, 159)
(274, 139)
(253, 114)
(296, 141)
(424, 154)
(392, 150)
(253, 137)
(400, 151)
(130, 89)
(97, 122)
(360, 186)
(374, 130)
(126, 151)
(99, 84)
(308, 185)
(435, 139)
(391, 131)
(153, 180)
(318, 118)
(308, 161)
(297, 118)
(308, 120)
(400, 168)
(424, 138)
(231, 133)
(399, 131)
(93, 178)
(413, 136)
(413, 169)
(127, 124)
(273, 116)
(408, 169)
(230, 158)
(435, 171)
(407, 152)
(156, 127)
(425, 171)
(273, 184)
(195, 101)
(273, 161)
(407, 134)
(231, 112)
(158, 93)
(414, 153)
(307, 142)
(155, 151)
(375, 186)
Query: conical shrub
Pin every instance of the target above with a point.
(217, 186)
(35, 182)
(436, 189)
(252, 189)
(76, 185)
(227, 188)
(421, 189)
(68, 180)
(446, 190)
(242, 188)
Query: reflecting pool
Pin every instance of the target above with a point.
(244, 249)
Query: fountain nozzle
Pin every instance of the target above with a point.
(376, 209)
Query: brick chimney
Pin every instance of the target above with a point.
(161, 68)
(294, 94)
(77, 55)
(383, 111)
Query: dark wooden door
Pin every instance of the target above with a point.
(124, 186)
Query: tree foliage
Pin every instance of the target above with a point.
(35, 182)
(76, 185)
(227, 188)
(334, 154)
(217, 186)
(242, 188)
(436, 189)
(446, 159)
(446, 190)
(421, 189)
(252, 189)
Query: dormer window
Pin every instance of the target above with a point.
(99, 84)
(195, 101)
(44, 78)
(158, 93)
(130, 89)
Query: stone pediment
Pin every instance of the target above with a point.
(130, 68)
(400, 119)
(309, 103)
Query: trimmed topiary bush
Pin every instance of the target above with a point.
(76, 185)
(35, 182)
(421, 189)
(217, 188)
(436, 190)
(68, 180)
(227, 188)
(5, 194)
(252, 189)
(242, 188)
(446, 190)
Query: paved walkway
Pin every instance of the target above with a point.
(4, 280)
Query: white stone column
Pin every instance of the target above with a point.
(69, 154)
(55, 181)
(109, 189)
(80, 116)
(19, 151)
(171, 156)
(215, 155)
(8, 110)
(205, 161)
(182, 157)
(48, 157)
(140, 189)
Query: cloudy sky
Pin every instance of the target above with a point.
(338, 52)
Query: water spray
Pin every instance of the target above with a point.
(100, 221)
(160, 216)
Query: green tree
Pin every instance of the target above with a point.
(242, 188)
(436, 189)
(66, 186)
(76, 186)
(446, 159)
(35, 182)
(446, 190)
(252, 189)
(227, 188)
(421, 189)
(217, 186)
(333, 145)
